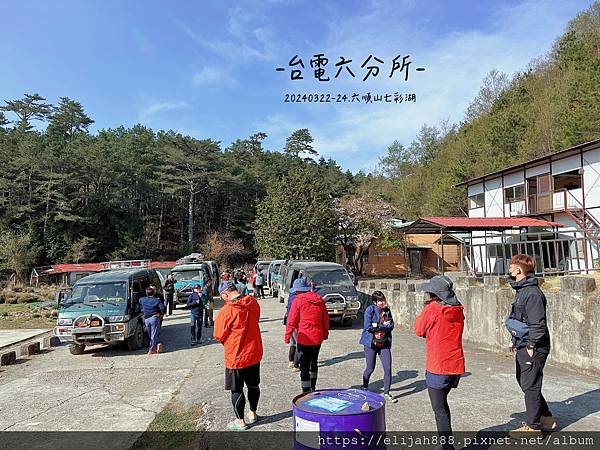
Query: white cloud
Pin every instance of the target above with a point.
(456, 63)
(249, 37)
(212, 75)
(159, 107)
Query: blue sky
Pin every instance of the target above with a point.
(207, 68)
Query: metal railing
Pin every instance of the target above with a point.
(550, 201)
(134, 263)
(555, 254)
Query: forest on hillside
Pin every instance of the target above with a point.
(67, 194)
(551, 105)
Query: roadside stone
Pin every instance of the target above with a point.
(33, 348)
(51, 341)
(577, 284)
(7, 358)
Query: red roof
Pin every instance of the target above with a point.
(163, 264)
(489, 222)
(84, 267)
(96, 267)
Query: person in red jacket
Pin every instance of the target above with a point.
(236, 327)
(308, 315)
(441, 323)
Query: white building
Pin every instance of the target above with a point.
(563, 187)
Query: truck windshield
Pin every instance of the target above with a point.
(103, 292)
(187, 275)
(331, 277)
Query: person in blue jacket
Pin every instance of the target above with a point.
(196, 304)
(153, 309)
(376, 337)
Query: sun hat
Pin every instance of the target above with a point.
(442, 287)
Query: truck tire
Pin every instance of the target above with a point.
(76, 349)
(136, 340)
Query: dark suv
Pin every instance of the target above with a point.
(332, 282)
(104, 308)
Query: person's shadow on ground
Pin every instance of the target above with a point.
(566, 413)
(176, 336)
(341, 358)
(401, 376)
(264, 420)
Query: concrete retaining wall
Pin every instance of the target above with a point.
(573, 315)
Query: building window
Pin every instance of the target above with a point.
(477, 201)
(567, 181)
(514, 193)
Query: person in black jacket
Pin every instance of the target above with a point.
(196, 305)
(170, 291)
(531, 344)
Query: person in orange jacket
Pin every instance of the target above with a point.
(308, 315)
(236, 327)
(441, 323)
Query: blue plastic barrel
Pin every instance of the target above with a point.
(348, 414)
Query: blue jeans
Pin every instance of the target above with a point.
(153, 327)
(196, 325)
(385, 355)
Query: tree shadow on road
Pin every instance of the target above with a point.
(566, 413)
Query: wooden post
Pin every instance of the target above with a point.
(442, 242)
(405, 260)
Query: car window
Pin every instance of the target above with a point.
(330, 278)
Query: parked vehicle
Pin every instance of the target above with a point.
(332, 282)
(214, 271)
(104, 308)
(263, 265)
(186, 277)
(273, 276)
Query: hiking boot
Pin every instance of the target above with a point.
(524, 431)
(290, 365)
(548, 422)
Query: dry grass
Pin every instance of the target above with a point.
(25, 316)
(553, 283)
(21, 307)
(175, 427)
